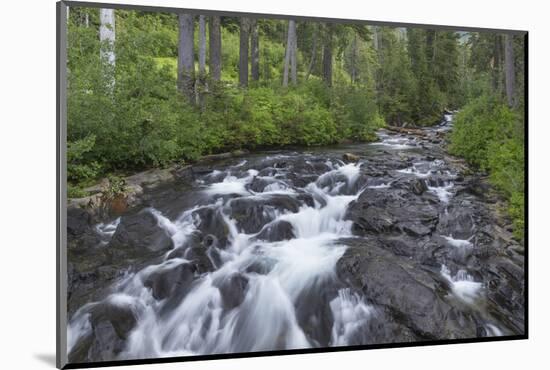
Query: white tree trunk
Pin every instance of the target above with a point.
(254, 51)
(202, 46)
(215, 42)
(290, 54)
(244, 42)
(107, 35)
(294, 51)
(186, 56)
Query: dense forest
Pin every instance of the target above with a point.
(149, 89)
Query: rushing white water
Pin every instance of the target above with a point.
(442, 192)
(463, 285)
(416, 172)
(458, 243)
(266, 318)
(395, 142)
(493, 330)
(350, 314)
(108, 229)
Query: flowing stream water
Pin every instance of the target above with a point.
(251, 261)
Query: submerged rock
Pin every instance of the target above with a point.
(233, 289)
(164, 282)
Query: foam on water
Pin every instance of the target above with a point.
(463, 285)
(442, 192)
(107, 230)
(458, 243)
(350, 314)
(416, 172)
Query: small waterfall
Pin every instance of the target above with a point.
(463, 285)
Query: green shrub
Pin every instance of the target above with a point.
(78, 167)
(488, 135)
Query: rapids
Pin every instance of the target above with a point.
(295, 250)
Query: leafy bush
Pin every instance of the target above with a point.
(488, 135)
(78, 168)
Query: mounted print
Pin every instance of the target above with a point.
(236, 184)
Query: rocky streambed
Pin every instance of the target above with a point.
(387, 242)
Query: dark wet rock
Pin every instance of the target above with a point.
(164, 282)
(266, 172)
(184, 174)
(233, 290)
(81, 349)
(199, 257)
(418, 186)
(251, 214)
(212, 223)
(138, 235)
(111, 325)
(259, 183)
(332, 180)
(371, 220)
(301, 180)
(415, 228)
(350, 157)
(120, 316)
(314, 313)
(506, 292)
(210, 241)
(80, 232)
(386, 210)
(411, 295)
(458, 220)
(105, 344)
(400, 246)
(437, 181)
(78, 221)
(260, 266)
(277, 231)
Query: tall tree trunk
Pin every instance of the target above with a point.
(202, 46)
(434, 47)
(86, 19)
(107, 35)
(509, 69)
(293, 51)
(327, 55)
(287, 56)
(375, 38)
(313, 51)
(215, 43)
(497, 64)
(290, 54)
(107, 40)
(353, 59)
(255, 51)
(200, 83)
(186, 56)
(243, 51)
